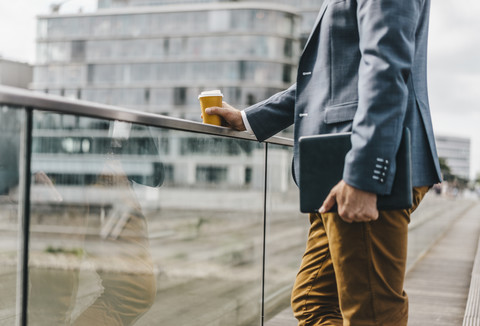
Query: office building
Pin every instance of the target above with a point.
(158, 58)
(15, 73)
(456, 152)
(308, 9)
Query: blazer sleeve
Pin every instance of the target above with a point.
(276, 113)
(387, 45)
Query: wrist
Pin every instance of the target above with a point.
(246, 124)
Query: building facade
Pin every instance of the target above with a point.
(456, 152)
(15, 74)
(308, 9)
(159, 58)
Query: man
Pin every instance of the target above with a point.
(363, 70)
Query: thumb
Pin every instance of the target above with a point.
(213, 110)
(329, 202)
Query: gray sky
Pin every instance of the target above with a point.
(454, 58)
(454, 71)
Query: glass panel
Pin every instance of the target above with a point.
(219, 20)
(11, 121)
(59, 51)
(42, 28)
(142, 226)
(286, 230)
(78, 51)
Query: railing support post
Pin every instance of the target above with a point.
(265, 189)
(24, 218)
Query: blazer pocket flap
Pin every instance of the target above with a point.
(340, 113)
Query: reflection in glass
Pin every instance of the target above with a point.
(90, 261)
(143, 226)
(11, 121)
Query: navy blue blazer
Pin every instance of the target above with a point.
(363, 69)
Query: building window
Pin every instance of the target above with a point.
(211, 174)
(90, 73)
(169, 171)
(147, 96)
(288, 48)
(287, 74)
(166, 46)
(251, 99)
(248, 175)
(219, 20)
(238, 94)
(180, 96)
(242, 69)
(78, 51)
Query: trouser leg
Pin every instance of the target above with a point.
(357, 269)
(314, 295)
(369, 260)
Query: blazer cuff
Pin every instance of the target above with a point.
(372, 175)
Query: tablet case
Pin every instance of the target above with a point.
(322, 159)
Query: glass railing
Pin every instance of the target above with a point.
(110, 216)
(115, 217)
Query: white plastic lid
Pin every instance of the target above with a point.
(215, 92)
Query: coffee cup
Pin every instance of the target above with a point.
(208, 99)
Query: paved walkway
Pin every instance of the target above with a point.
(438, 284)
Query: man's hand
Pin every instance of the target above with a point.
(231, 116)
(354, 205)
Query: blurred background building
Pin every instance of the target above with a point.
(456, 153)
(157, 56)
(15, 73)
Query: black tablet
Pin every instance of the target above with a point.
(322, 158)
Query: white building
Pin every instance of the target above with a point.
(456, 152)
(157, 56)
(15, 74)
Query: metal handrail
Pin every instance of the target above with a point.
(46, 102)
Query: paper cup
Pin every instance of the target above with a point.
(208, 99)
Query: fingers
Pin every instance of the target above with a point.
(354, 205)
(359, 213)
(214, 110)
(223, 111)
(329, 202)
(359, 216)
(230, 115)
